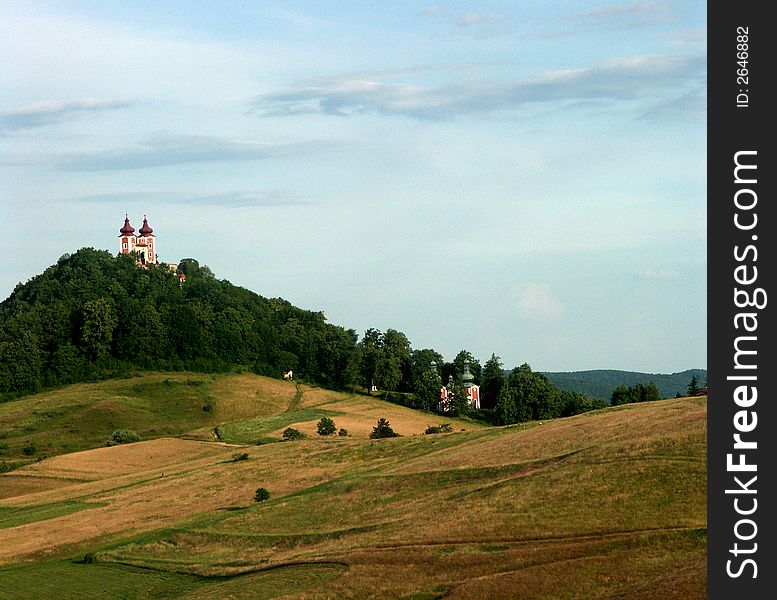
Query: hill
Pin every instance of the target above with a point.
(610, 503)
(600, 383)
(240, 408)
(93, 315)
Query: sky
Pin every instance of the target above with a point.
(520, 178)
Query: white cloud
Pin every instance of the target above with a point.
(537, 300)
(633, 78)
(165, 150)
(49, 112)
(643, 13)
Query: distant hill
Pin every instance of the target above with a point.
(600, 383)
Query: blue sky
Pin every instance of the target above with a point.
(524, 178)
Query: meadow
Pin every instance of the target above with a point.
(606, 504)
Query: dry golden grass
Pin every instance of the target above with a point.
(244, 396)
(608, 504)
(361, 413)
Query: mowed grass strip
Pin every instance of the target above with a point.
(66, 580)
(251, 431)
(12, 516)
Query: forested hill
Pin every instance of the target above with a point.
(600, 383)
(93, 315)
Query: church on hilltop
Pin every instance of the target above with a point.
(144, 245)
(144, 242)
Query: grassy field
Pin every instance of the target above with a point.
(610, 504)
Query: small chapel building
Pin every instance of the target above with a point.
(471, 391)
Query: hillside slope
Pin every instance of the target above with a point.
(240, 408)
(606, 504)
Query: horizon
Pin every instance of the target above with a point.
(528, 180)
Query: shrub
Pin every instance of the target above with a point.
(383, 430)
(343, 432)
(238, 456)
(261, 494)
(29, 449)
(292, 434)
(123, 436)
(89, 558)
(326, 426)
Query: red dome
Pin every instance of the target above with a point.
(145, 230)
(127, 229)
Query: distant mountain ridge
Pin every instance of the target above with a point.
(599, 383)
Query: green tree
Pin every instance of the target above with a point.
(506, 410)
(693, 386)
(650, 392)
(493, 378)
(397, 357)
(97, 328)
(463, 357)
(326, 426)
(458, 405)
(383, 430)
(621, 395)
(292, 434)
(427, 390)
(420, 361)
(370, 349)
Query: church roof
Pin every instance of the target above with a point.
(127, 229)
(146, 229)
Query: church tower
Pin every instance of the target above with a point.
(126, 237)
(144, 243)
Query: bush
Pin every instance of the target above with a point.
(123, 436)
(441, 428)
(292, 434)
(239, 456)
(89, 558)
(383, 430)
(29, 449)
(261, 494)
(326, 426)
(343, 432)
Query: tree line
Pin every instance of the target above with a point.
(93, 315)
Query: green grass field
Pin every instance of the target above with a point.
(606, 504)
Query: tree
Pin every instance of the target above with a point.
(420, 361)
(292, 434)
(650, 392)
(458, 404)
(506, 411)
(493, 377)
(465, 356)
(427, 390)
(383, 430)
(397, 352)
(620, 395)
(99, 322)
(370, 348)
(326, 426)
(261, 494)
(693, 386)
